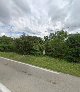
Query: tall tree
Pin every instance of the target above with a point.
(73, 48)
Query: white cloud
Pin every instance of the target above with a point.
(38, 17)
(2, 34)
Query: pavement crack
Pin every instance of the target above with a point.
(6, 64)
(24, 72)
(53, 82)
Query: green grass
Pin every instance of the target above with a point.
(46, 62)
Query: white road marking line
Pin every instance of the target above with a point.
(3, 88)
(31, 66)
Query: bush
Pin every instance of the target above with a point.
(73, 48)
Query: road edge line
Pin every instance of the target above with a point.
(4, 88)
(47, 70)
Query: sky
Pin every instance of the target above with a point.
(38, 17)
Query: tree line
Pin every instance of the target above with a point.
(60, 44)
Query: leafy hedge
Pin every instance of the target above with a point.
(58, 45)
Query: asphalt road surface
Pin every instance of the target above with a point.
(17, 81)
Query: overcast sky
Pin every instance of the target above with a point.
(38, 17)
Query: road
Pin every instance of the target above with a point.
(18, 81)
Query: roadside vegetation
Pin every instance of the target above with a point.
(45, 62)
(60, 51)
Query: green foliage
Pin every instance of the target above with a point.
(23, 45)
(29, 45)
(55, 46)
(63, 46)
(46, 62)
(6, 44)
(73, 48)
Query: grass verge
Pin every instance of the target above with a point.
(46, 62)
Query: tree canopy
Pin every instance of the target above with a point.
(60, 44)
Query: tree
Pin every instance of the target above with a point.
(29, 45)
(56, 44)
(6, 43)
(73, 48)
